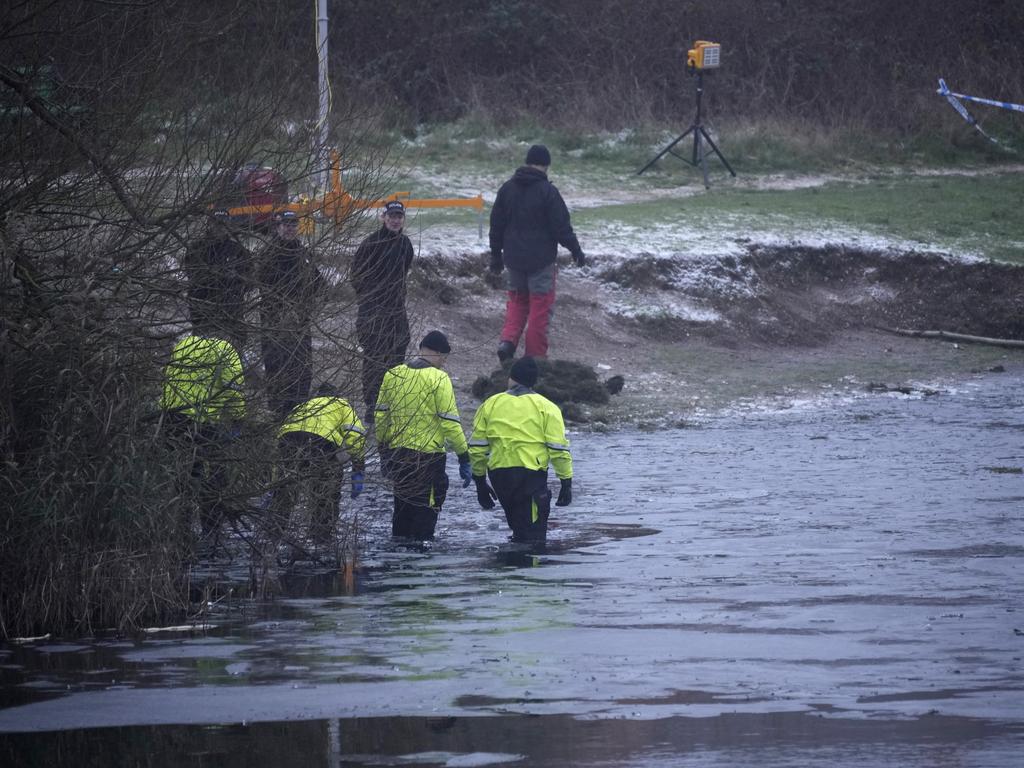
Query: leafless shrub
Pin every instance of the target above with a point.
(125, 128)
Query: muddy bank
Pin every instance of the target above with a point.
(693, 335)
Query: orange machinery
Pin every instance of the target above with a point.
(337, 204)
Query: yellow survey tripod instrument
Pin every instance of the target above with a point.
(704, 55)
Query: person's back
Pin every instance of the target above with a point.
(317, 441)
(417, 421)
(517, 434)
(529, 220)
(202, 401)
(203, 381)
(329, 417)
(416, 409)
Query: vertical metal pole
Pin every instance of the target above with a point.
(320, 155)
(699, 155)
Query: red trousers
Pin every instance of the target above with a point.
(531, 302)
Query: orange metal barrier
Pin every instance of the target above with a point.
(337, 203)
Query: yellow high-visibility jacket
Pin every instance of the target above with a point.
(333, 419)
(416, 409)
(519, 428)
(203, 381)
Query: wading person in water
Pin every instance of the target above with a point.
(516, 434)
(528, 222)
(417, 421)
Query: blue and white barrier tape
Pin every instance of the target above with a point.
(944, 91)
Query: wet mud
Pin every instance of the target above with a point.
(836, 583)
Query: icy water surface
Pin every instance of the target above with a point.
(839, 584)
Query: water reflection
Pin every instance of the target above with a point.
(555, 741)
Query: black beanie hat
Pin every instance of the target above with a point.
(524, 371)
(538, 155)
(436, 341)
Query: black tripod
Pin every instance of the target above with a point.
(699, 156)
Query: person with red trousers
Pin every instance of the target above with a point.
(529, 220)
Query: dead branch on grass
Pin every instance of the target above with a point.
(950, 336)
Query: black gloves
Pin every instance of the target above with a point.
(579, 258)
(565, 494)
(484, 493)
(496, 264)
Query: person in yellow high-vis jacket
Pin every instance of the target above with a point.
(417, 420)
(203, 382)
(202, 402)
(318, 439)
(516, 435)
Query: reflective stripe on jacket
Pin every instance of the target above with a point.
(331, 418)
(203, 381)
(416, 409)
(519, 428)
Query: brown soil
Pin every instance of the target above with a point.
(792, 322)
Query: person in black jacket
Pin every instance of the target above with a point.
(379, 269)
(528, 222)
(219, 271)
(289, 286)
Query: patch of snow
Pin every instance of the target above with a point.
(648, 307)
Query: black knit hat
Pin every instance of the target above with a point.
(538, 155)
(524, 371)
(436, 341)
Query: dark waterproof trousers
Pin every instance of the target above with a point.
(307, 461)
(421, 486)
(288, 365)
(204, 448)
(384, 337)
(525, 498)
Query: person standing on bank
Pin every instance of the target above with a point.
(529, 220)
(220, 273)
(516, 434)
(379, 269)
(289, 286)
(417, 421)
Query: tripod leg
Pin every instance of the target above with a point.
(699, 156)
(666, 150)
(715, 148)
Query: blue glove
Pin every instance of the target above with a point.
(357, 484)
(465, 473)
